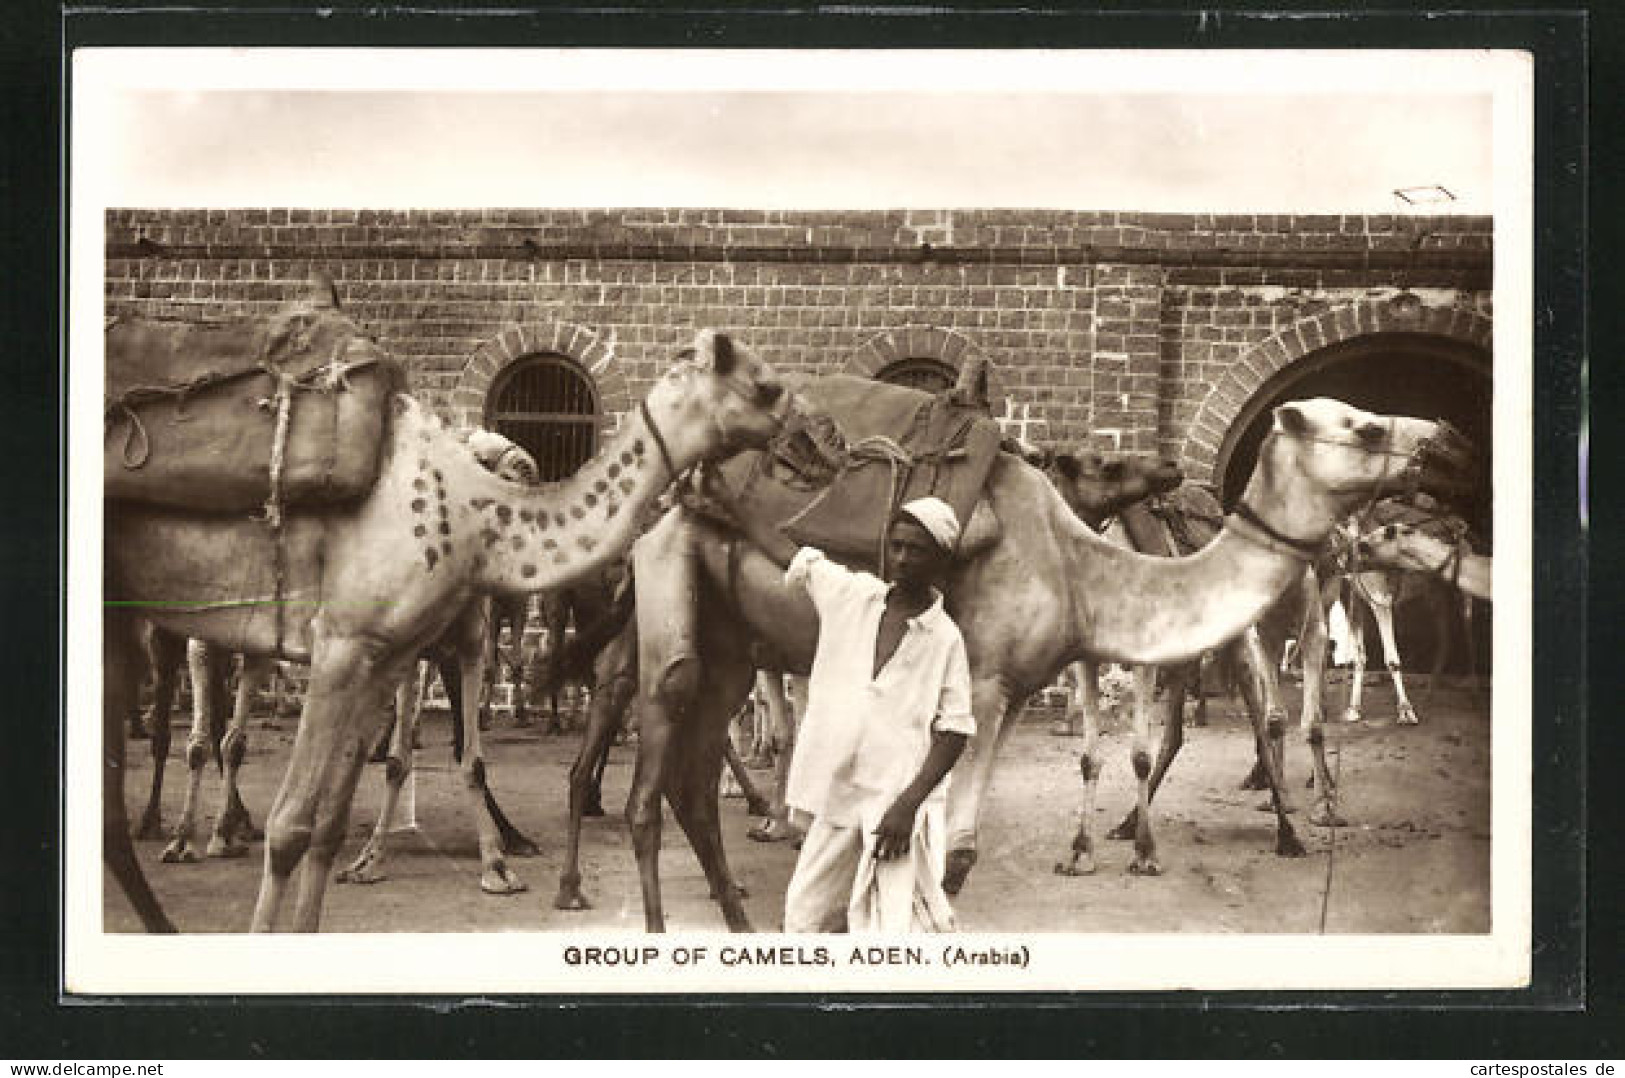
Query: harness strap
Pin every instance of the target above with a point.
(660, 441)
(1271, 538)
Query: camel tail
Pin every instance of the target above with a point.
(575, 658)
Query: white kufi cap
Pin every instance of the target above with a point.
(937, 517)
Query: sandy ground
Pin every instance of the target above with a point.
(1414, 858)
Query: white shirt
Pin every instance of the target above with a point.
(863, 738)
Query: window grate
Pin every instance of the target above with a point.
(547, 404)
(930, 375)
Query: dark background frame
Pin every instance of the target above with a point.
(1569, 1011)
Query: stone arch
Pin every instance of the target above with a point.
(917, 341)
(1399, 313)
(591, 350)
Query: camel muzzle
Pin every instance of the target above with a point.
(1446, 463)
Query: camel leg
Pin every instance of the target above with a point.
(1086, 695)
(368, 866)
(306, 821)
(233, 824)
(666, 568)
(1137, 824)
(755, 803)
(604, 714)
(972, 775)
(691, 784)
(1382, 609)
(209, 668)
(121, 680)
(495, 876)
(1312, 721)
(514, 842)
(782, 742)
(1353, 712)
(1262, 695)
(166, 652)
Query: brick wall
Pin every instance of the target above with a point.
(1134, 331)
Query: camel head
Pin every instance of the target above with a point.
(504, 458)
(1402, 546)
(1096, 485)
(1323, 459)
(718, 399)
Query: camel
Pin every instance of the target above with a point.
(1381, 570)
(1404, 546)
(357, 591)
(1044, 592)
(1092, 483)
(1182, 527)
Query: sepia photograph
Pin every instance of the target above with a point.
(658, 521)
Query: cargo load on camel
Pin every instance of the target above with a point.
(881, 445)
(282, 410)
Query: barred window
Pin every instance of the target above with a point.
(548, 404)
(930, 375)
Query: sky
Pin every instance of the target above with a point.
(1288, 132)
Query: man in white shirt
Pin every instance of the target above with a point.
(888, 714)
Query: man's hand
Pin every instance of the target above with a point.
(896, 826)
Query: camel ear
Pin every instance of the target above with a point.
(716, 351)
(1291, 420)
(320, 292)
(1067, 465)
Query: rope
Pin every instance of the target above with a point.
(660, 441)
(1331, 851)
(272, 513)
(879, 447)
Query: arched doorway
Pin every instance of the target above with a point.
(1417, 374)
(546, 403)
(1394, 373)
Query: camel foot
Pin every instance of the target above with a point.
(770, 830)
(1079, 864)
(593, 808)
(1326, 815)
(500, 880)
(366, 868)
(1063, 728)
(180, 851)
(755, 806)
(151, 826)
(1145, 865)
(570, 897)
(1351, 714)
(1257, 778)
(1288, 845)
(960, 862)
(226, 848)
(1407, 716)
(1267, 805)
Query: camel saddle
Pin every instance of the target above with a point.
(1189, 516)
(890, 444)
(283, 410)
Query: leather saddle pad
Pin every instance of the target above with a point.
(1189, 515)
(191, 410)
(895, 443)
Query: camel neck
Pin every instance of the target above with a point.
(530, 539)
(1133, 607)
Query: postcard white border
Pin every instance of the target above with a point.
(481, 964)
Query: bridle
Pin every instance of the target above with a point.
(1260, 532)
(660, 439)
